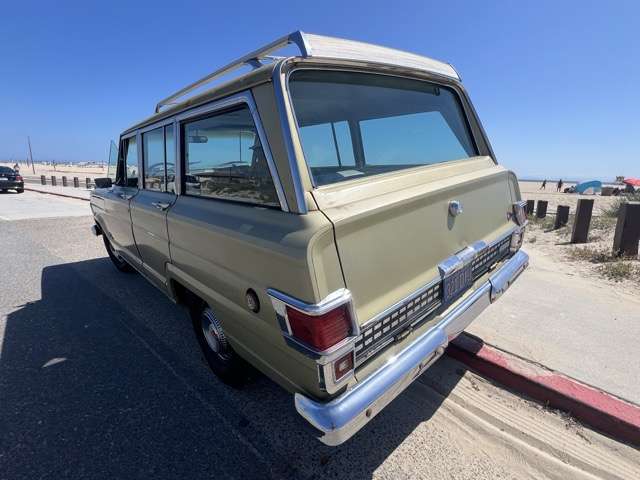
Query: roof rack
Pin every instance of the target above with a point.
(312, 45)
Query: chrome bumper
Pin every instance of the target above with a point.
(342, 417)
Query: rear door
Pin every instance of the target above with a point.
(149, 208)
(391, 158)
(116, 218)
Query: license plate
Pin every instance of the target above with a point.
(457, 283)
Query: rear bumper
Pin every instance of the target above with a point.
(342, 417)
(11, 184)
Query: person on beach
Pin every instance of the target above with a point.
(16, 167)
(559, 185)
(544, 185)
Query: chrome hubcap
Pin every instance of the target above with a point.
(214, 335)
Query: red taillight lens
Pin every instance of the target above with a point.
(322, 331)
(18, 178)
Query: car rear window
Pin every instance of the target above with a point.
(6, 170)
(359, 124)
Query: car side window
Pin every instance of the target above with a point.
(224, 159)
(153, 159)
(328, 144)
(132, 162)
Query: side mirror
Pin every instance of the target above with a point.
(103, 182)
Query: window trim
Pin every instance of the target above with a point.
(474, 127)
(219, 107)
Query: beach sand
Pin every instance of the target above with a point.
(531, 191)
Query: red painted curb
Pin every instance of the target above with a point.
(56, 193)
(611, 415)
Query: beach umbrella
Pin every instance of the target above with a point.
(632, 181)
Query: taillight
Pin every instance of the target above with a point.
(320, 331)
(18, 178)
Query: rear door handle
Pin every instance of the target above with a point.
(161, 205)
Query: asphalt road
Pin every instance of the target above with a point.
(101, 377)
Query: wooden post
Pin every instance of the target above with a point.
(87, 182)
(76, 182)
(580, 233)
(541, 211)
(625, 241)
(64, 181)
(531, 204)
(43, 180)
(562, 216)
(53, 180)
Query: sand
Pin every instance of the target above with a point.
(591, 260)
(531, 191)
(79, 171)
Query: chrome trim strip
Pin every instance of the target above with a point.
(284, 108)
(343, 416)
(399, 303)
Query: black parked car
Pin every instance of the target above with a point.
(9, 178)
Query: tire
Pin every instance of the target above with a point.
(222, 359)
(4, 190)
(20, 190)
(119, 262)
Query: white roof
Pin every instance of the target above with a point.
(319, 46)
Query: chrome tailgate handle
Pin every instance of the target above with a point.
(161, 205)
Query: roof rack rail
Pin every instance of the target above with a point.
(311, 45)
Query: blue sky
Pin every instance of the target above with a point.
(556, 84)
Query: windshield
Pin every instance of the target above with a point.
(358, 124)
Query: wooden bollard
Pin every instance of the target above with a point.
(541, 211)
(580, 233)
(627, 236)
(43, 179)
(64, 181)
(531, 205)
(53, 180)
(76, 182)
(87, 182)
(562, 216)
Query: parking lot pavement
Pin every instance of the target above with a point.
(101, 377)
(59, 190)
(21, 206)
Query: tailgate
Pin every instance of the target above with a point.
(392, 231)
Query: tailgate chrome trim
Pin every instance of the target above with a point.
(343, 416)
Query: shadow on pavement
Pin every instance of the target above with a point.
(103, 378)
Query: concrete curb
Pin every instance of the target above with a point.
(611, 415)
(56, 193)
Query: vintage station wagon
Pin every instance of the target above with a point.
(333, 219)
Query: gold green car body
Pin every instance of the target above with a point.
(380, 238)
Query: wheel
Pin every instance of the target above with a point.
(19, 190)
(119, 262)
(220, 356)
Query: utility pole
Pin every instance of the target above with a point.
(33, 167)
